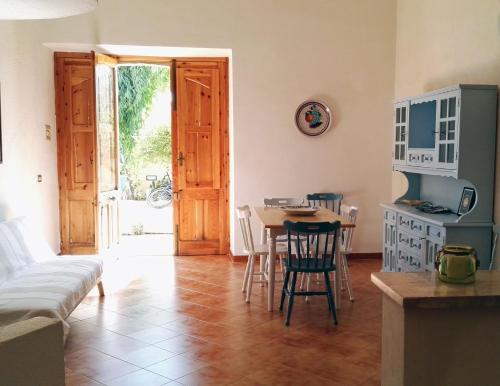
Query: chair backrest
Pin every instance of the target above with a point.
(275, 202)
(244, 215)
(350, 214)
(496, 236)
(331, 201)
(311, 240)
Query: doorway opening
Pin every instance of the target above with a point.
(145, 157)
(91, 185)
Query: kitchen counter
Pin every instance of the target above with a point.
(425, 290)
(435, 333)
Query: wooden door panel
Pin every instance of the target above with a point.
(81, 91)
(199, 219)
(211, 220)
(82, 223)
(199, 168)
(106, 124)
(199, 120)
(76, 150)
(200, 140)
(82, 161)
(199, 247)
(187, 228)
(107, 141)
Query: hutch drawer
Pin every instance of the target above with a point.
(411, 225)
(390, 216)
(409, 261)
(435, 232)
(411, 242)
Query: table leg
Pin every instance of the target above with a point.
(272, 269)
(262, 258)
(337, 272)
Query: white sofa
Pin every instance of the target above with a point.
(36, 282)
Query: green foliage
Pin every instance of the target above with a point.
(156, 148)
(137, 86)
(151, 149)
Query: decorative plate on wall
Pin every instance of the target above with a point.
(313, 118)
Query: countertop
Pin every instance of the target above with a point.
(447, 219)
(425, 290)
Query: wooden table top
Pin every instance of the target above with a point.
(425, 290)
(274, 217)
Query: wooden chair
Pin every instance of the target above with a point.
(331, 201)
(350, 213)
(496, 234)
(316, 255)
(252, 251)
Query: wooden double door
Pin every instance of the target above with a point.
(88, 153)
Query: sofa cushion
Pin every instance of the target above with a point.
(14, 255)
(52, 288)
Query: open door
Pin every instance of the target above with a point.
(76, 151)
(200, 156)
(107, 143)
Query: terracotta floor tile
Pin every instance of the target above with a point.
(210, 375)
(280, 375)
(121, 345)
(185, 318)
(176, 367)
(153, 335)
(105, 370)
(182, 343)
(73, 379)
(139, 378)
(146, 356)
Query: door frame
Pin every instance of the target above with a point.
(224, 123)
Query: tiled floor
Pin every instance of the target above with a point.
(183, 321)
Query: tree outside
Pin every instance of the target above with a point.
(144, 121)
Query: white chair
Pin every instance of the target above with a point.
(276, 203)
(349, 213)
(252, 251)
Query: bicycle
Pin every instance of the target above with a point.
(161, 194)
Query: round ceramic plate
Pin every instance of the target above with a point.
(313, 118)
(300, 210)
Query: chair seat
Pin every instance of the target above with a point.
(309, 265)
(263, 249)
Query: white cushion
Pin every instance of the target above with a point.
(14, 254)
(52, 288)
(37, 247)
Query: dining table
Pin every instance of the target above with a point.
(272, 219)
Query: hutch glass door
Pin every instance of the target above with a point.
(447, 135)
(400, 133)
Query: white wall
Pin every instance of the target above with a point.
(27, 92)
(284, 52)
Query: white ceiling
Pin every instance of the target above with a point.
(43, 9)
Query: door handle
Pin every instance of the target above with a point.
(181, 158)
